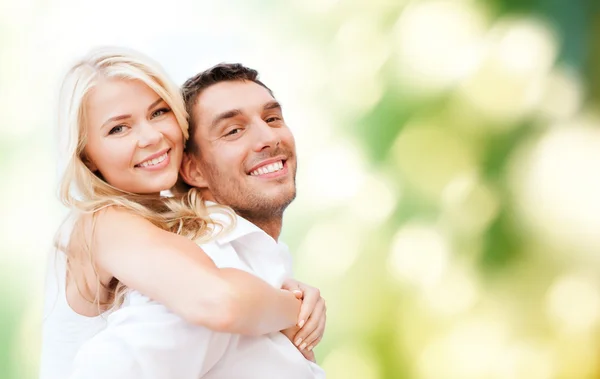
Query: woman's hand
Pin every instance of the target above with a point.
(312, 319)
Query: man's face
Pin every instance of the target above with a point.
(247, 154)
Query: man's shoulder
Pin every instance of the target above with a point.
(223, 254)
(211, 246)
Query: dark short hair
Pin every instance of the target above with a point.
(193, 87)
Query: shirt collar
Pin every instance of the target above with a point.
(242, 227)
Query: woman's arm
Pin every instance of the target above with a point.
(177, 273)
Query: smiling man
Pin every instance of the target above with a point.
(240, 152)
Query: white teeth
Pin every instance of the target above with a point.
(155, 161)
(273, 167)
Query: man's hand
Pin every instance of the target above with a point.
(312, 319)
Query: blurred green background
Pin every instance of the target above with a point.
(449, 180)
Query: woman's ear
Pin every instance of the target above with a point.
(190, 172)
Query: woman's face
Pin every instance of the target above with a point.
(134, 140)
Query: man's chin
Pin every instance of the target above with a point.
(279, 200)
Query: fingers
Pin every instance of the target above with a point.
(293, 286)
(299, 294)
(310, 355)
(315, 337)
(311, 298)
(290, 284)
(314, 326)
(290, 333)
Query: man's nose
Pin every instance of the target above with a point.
(266, 136)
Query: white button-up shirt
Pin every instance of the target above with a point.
(144, 340)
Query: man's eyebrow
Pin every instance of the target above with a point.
(272, 105)
(224, 116)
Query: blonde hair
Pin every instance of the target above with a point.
(84, 192)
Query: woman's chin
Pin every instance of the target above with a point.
(152, 188)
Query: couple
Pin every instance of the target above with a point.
(194, 285)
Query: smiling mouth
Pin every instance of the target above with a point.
(153, 162)
(268, 169)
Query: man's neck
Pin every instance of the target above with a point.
(271, 225)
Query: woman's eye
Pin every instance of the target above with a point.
(117, 129)
(160, 112)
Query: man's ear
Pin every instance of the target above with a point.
(190, 172)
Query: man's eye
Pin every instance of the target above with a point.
(233, 131)
(273, 119)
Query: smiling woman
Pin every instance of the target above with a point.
(140, 148)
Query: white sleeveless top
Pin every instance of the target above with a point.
(64, 330)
